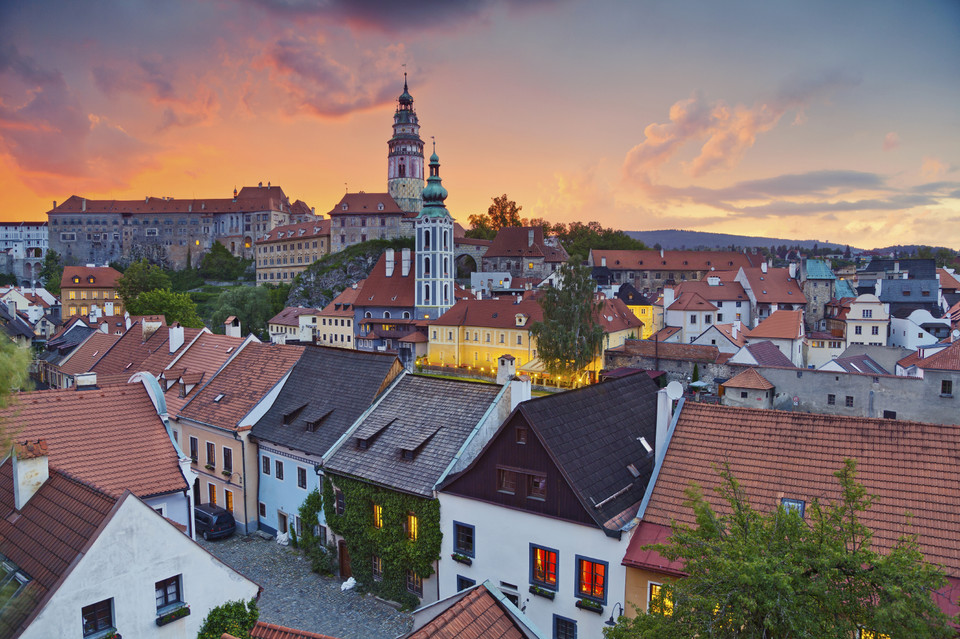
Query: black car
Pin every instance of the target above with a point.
(213, 522)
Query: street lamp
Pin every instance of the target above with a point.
(610, 621)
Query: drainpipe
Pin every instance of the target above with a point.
(243, 478)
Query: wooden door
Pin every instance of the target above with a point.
(344, 560)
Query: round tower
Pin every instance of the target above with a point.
(434, 254)
(405, 156)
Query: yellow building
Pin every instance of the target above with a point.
(474, 333)
(286, 251)
(335, 322)
(84, 286)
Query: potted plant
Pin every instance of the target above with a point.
(463, 559)
(173, 615)
(542, 592)
(591, 605)
(226, 473)
(209, 466)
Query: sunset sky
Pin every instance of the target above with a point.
(836, 121)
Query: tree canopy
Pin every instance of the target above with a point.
(570, 336)
(219, 264)
(14, 376)
(52, 271)
(578, 238)
(138, 278)
(251, 305)
(783, 575)
(236, 618)
(503, 212)
(175, 307)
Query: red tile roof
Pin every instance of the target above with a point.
(514, 241)
(394, 291)
(201, 360)
(133, 353)
(88, 353)
(671, 260)
(665, 333)
(342, 304)
(109, 437)
(780, 325)
(303, 230)
(290, 315)
(948, 281)
(103, 277)
(775, 286)
(241, 384)
(776, 454)
(250, 198)
(366, 203)
(494, 312)
(727, 331)
(477, 615)
(263, 630)
(691, 302)
(749, 378)
(947, 359)
(724, 291)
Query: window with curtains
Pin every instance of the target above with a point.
(543, 567)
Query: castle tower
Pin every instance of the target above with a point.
(434, 237)
(405, 157)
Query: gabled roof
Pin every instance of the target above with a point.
(650, 259)
(110, 437)
(721, 292)
(293, 232)
(774, 287)
(493, 312)
(860, 364)
(328, 389)
(48, 534)
(14, 325)
(366, 203)
(818, 270)
(394, 291)
(665, 333)
(766, 354)
(947, 359)
(910, 291)
(749, 379)
(240, 385)
(727, 331)
(479, 612)
(131, 353)
(263, 630)
(516, 241)
(669, 350)
(200, 361)
(342, 304)
(948, 282)
(103, 277)
(808, 449)
(88, 353)
(456, 408)
(780, 325)
(631, 296)
(691, 302)
(290, 316)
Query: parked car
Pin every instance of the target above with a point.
(213, 522)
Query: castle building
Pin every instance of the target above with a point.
(434, 236)
(405, 157)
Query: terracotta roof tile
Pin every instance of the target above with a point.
(493, 312)
(780, 325)
(366, 203)
(301, 231)
(110, 437)
(103, 276)
(947, 359)
(691, 302)
(477, 615)
(774, 286)
(395, 291)
(724, 291)
(514, 241)
(672, 260)
(263, 630)
(88, 353)
(250, 199)
(749, 378)
(342, 304)
(201, 360)
(290, 315)
(669, 350)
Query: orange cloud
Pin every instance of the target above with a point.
(891, 141)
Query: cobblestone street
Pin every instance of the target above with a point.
(296, 597)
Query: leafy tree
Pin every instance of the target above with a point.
(219, 264)
(251, 304)
(175, 307)
(234, 617)
(578, 238)
(140, 277)
(14, 376)
(185, 279)
(570, 335)
(503, 212)
(8, 279)
(278, 294)
(779, 575)
(52, 271)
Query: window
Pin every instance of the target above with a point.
(228, 499)
(412, 526)
(414, 583)
(743, 394)
(658, 601)
(266, 465)
(872, 634)
(463, 539)
(857, 330)
(212, 494)
(889, 414)
(543, 567)
(340, 506)
(97, 617)
(278, 466)
(848, 402)
(946, 388)
(867, 313)
(707, 319)
(377, 564)
(793, 505)
(536, 487)
(465, 582)
(592, 579)
(521, 434)
(301, 477)
(874, 330)
(168, 592)
(564, 628)
(831, 400)
(506, 481)
(227, 460)
(194, 448)
(263, 509)
(377, 516)
(211, 454)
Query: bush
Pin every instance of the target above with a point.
(234, 617)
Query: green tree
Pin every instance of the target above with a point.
(578, 238)
(175, 307)
(777, 575)
(251, 304)
(570, 336)
(503, 212)
(52, 271)
(219, 264)
(278, 294)
(140, 277)
(234, 617)
(14, 376)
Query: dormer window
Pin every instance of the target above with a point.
(380, 206)
(90, 279)
(76, 279)
(343, 206)
(521, 319)
(793, 505)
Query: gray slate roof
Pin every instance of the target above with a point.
(429, 415)
(593, 434)
(918, 269)
(328, 389)
(767, 354)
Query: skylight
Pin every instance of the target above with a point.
(646, 445)
(218, 397)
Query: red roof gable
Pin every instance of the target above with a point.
(525, 241)
(79, 277)
(366, 203)
(304, 230)
(397, 290)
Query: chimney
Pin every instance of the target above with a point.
(83, 206)
(85, 381)
(664, 417)
(530, 237)
(405, 262)
(669, 297)
(175, 337)
(896, 267)
(736, 329)
(126, 321)
(603, 261)
(479, 294)
(12, 308)
(105, 328)
(30, 470)
(231, 326)
(713, 280)
(519, 390)
(661, 253)
(763, 267)
(108, 308)
(95, 313)
(506, 369)
(389, 263)
(793, 270)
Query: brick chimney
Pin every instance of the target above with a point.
(30, 470)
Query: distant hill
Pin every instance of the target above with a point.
(676, 239)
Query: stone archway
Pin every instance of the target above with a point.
(466, 264)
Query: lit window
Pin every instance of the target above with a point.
(377, 516)
(660, 602)
(543, 567)
(228, 499)
(414, 583)
(413, 527)
(212, 494)
(592, 579)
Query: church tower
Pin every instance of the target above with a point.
(405, 157)
(434, 254)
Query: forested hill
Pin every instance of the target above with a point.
(675, 239)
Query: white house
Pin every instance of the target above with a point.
(785, 330)
(918, 329)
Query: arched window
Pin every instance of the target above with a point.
(445, 241)
(402, 168)
(386, 315)
(368, 315)
(426, 293)
(406, 315)
(446, 294)
(446, 266)
(426, 238)
(426, 266)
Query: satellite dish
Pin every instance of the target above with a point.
(956, 334)
(674, 390)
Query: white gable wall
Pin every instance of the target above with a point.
(135, 550)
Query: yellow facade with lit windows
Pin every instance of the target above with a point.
(478, 347)
(651, 316)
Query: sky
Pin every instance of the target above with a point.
(834, 121)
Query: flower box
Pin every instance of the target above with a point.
(542, 592)
(463, 559)
(226, 473)
(209, 467)
(173, 615)
(589, 604)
